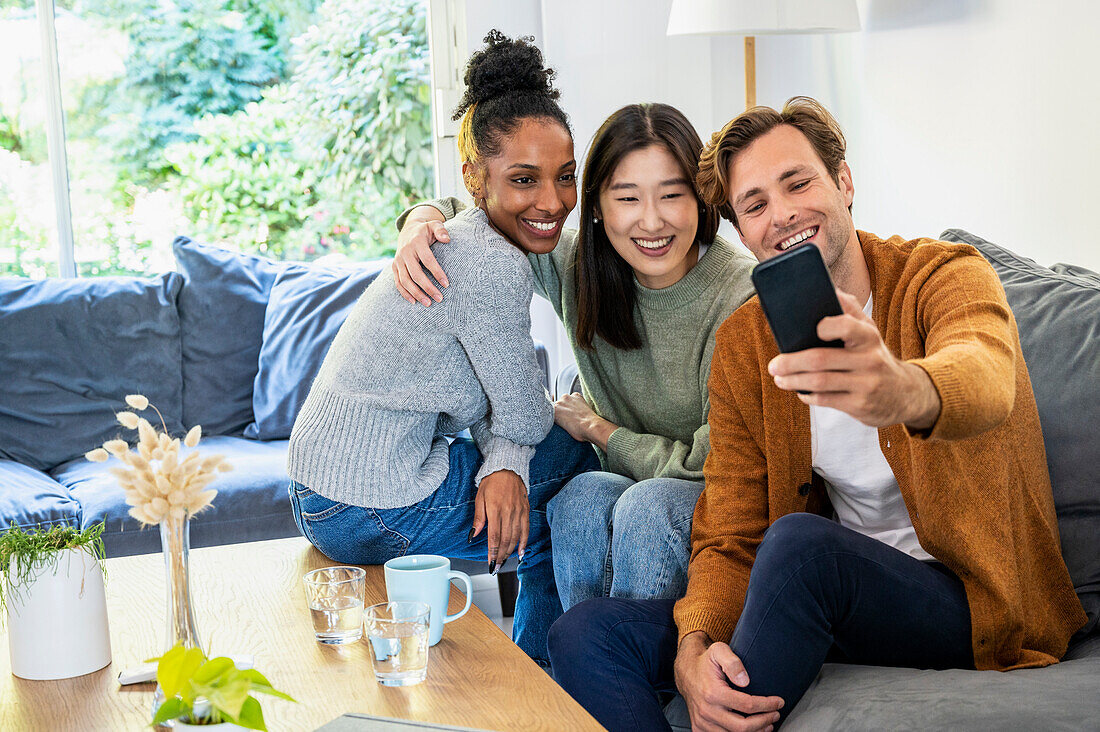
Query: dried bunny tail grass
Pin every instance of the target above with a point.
(147, 435)
(143, 516)
(137, 401)
(193, 436)
(158, 482)
(116, 447)
(98, 455)
(211, 463)
(200, 501)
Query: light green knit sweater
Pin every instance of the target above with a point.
(658, 393)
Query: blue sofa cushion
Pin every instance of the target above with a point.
(222, 320)
(30, 498)
(305, 309)
(252, 502)
(1058, 314)
(72, 349)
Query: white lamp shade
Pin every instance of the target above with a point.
(762, 17)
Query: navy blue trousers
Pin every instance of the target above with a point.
(816, 590)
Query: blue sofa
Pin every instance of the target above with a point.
(230, 341)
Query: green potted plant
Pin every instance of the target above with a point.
(51, 586)
(209, 693)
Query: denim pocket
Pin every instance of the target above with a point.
(343, 532)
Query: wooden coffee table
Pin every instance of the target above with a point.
(248, 599)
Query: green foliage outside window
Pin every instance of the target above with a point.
(325, 164)
(367, 97)
(279, 126)
(187, 59)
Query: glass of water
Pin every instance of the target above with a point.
(336, 596)
(398, 634)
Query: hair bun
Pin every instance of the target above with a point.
(505, 66)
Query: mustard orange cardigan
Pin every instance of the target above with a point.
(976, 486)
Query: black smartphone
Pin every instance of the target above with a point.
(796, 292)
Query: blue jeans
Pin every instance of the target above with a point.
(440, 523)
(816, 589)
(620, 538)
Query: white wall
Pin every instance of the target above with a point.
(977, 114)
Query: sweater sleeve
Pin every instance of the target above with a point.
(643, 456)
(732, 513)
(449, 207)
(494, 328)
(500, 453)
(969, 347)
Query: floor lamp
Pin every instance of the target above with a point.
(751, 18)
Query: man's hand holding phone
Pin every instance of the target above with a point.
(863, 378)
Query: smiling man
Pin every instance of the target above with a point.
(899, 513)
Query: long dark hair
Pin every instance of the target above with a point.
(604, 281)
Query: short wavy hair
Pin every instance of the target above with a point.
(806, 115)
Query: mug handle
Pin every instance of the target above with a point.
(469, 594)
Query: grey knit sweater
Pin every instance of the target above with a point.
(399, 375)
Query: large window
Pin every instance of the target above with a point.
(293, 128)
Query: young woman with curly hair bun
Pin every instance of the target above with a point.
(373, 474)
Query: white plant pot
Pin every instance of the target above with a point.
(57, 622)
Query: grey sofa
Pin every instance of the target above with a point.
(1057, 310)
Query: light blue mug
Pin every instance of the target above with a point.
(426, 578)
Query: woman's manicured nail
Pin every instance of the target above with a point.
(493, 567)
(470, 536)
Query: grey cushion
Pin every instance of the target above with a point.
(1058, 314)
(252, 502)
(1065, 696)
(72, 349)
(30, 498)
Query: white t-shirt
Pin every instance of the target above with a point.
(861, 486)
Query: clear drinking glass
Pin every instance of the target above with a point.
(398, 633)
(336, 596)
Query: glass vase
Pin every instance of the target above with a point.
(175, 542)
